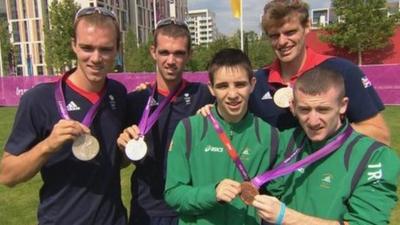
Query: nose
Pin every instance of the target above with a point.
(97, 57)
(313, 118)
(282, 40)
(232, 93)
(171, 59)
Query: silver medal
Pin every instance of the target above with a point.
(85, 147)
(136, 149)
(283, 97)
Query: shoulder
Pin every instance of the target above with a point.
(37, 93)
(197, 88)
(343, 66)
(116, 86)
(377, 151)
(141, 95)
(262, 73)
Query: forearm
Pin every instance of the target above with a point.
(191, 200)
(293, 217)
(375, 128)
(17, 169)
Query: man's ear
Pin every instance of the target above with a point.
(73, 44)
(343, 105)
(210, 88)
(253, 82)
(292, 107)
(152, 51)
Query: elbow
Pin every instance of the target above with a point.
(7, 181)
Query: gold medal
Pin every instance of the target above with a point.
(85, 147)
(283, 97)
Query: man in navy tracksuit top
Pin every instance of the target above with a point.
(171, 50)
(286, 23)
(50, 118)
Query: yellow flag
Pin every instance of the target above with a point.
(236, 9)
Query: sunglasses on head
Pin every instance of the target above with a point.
(169, 21)
(92, 10)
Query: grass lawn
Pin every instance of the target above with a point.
(18, 205)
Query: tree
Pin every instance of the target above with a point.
(260, 52)
(363, 26)
(5, 46)
(131, 52)
(57, 34)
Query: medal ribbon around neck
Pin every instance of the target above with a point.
(230, 149)
(62, 107)
(147, 120)
(286, 167)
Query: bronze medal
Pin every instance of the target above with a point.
(248, 192)
(85, 147)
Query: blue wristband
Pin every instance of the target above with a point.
(281, 214)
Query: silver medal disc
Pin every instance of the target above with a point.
(136, 149)
(283, 97)
(85, 147)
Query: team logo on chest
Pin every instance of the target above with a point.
(210, 148)
(72, 106)
(266, 96)
(326, 180)
(153, 102)
(187, 98)
(113, 104)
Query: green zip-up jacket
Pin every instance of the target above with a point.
(332, 189)
(193, 174)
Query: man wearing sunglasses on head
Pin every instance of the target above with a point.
(155, 113)
(67, 130)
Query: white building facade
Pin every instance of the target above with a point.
(202, 26)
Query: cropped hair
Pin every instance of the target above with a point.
(98, 18)
(172, 28)
(320, 80)
(231, 58)
(278, 12)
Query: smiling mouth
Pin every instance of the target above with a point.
(285, 50)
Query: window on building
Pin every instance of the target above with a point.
(20, 71)
(38, 30)
(26, 30)
(36, 5)
(14, 9)
(15, 31)
(40, 70)
(123, 20)
(24, 14)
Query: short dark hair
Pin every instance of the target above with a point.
(229, 57)
(319, 80)
(98, 18)
(276, 13)
(172, 27)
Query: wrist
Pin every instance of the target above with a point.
(281, 214)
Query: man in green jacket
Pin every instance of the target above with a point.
(203, 182)
(353, 184)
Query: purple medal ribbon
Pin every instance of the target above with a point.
(147, 120)
(62, 107)
(230, 149)
(284, 168)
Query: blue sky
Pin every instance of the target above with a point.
(252, 9)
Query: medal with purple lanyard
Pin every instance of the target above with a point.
(286, 167)
(137, 149)
(249, 188)
(85, 147)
